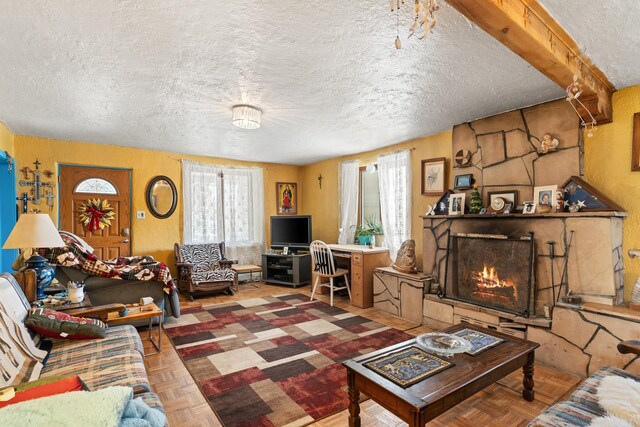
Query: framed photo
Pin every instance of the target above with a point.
(510, 196)
(635, 143)
(545, 196)
(529, 208)
(434, 176)
(287, 198)
(456, 204)
(463, 182)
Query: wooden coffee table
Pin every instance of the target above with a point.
(424, 401)
(134, 314)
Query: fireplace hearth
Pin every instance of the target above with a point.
(491, 271)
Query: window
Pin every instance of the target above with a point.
(95, 186)
(225, 204)
(369, 196)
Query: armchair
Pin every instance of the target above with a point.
(203, 268)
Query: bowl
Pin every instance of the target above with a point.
(443, 344)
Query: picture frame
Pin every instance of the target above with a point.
(434, 176)
(545, 196)
(463, 182)
(509, 196)
(456, 204)
(635, 144)
(286, 198)
(529, 208)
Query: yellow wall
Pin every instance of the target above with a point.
(6, 139)
(323, 203)
(150, 236)
(607, 167)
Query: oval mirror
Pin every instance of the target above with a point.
(162, 197)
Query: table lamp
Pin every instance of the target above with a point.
(36, 231)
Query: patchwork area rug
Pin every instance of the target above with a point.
(274, 361)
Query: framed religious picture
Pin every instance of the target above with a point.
(287, 198)
(545, 198)
(434, 176)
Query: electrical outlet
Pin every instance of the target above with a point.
(141, 215)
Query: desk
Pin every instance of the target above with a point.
(360, 260)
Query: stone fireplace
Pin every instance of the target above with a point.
(491, 271)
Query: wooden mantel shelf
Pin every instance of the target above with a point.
(594, 214)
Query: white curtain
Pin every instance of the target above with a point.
(202, 199)
(348, 178)
(394, 176)
(224, 204)
(244, 214)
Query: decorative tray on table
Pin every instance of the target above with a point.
(443, 344)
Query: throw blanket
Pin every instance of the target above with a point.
(109, 407)
(76, 256)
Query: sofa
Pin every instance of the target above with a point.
(203, 268)
(116, 360)
(609, 397)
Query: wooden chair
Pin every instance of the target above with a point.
(324, 266)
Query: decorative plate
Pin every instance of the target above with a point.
(443, 344)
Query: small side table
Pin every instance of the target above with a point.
(248, 269)
(135, 313)
(85, 303)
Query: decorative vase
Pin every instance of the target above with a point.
(379, 240)
(44, 273)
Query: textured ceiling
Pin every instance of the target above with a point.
(165, 74)
(607, 32)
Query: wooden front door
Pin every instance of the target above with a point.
(79, 184)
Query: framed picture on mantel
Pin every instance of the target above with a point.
(434, 176)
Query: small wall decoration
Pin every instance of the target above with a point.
(36, 183)
(463, 182)
(287, 198)
(456, 204)
(529, 208)
(545, 198)
(510, 196)
(434, 176)
(463, 158)
(96, 214)
(548, 144)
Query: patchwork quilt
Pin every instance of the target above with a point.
(75, 255)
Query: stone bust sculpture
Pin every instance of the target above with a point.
(406, 258)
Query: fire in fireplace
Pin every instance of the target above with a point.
(491, 271)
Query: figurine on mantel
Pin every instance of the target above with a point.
(548, 144)
(406, 258)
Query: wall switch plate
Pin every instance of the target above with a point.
(141, 215)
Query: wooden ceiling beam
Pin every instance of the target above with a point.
(526, 28)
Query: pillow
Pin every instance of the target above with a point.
(44, 387)
(55, 324)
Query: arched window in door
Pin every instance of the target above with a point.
(95, 186)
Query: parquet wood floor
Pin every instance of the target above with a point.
(500, 405)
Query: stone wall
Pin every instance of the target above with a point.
(504, 149)
(595, 268)
(581, 341)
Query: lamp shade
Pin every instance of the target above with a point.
(246, 117)
(34, 231)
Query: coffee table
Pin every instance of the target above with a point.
(424, 401)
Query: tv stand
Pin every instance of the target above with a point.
(290, 270)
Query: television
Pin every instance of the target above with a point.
(292, 231)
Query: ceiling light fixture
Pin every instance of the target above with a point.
(246, 117)
(424, 18)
